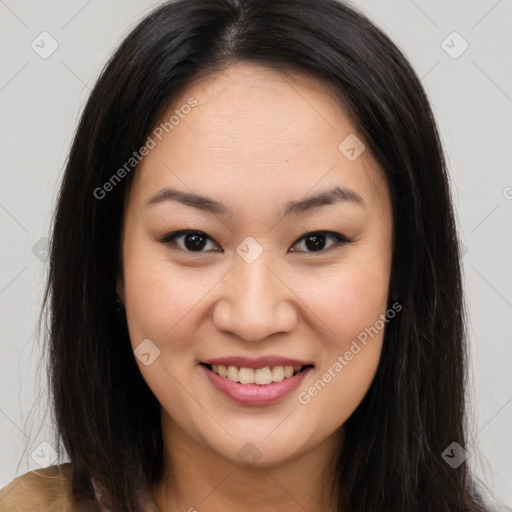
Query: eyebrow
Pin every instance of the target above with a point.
(325, 198)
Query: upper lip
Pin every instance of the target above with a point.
(257, 362)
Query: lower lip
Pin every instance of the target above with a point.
(255, 394)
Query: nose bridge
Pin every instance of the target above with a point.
(254, 286)
(255, 302)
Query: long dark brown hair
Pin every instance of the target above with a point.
(107, 419)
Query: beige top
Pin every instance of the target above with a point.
(47, 490)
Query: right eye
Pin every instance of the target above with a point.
(188, 240)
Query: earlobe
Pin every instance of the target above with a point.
(393, 292)
(119, 303)
(120, 288)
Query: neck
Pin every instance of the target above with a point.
(195, 477)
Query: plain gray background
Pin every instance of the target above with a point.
(470, 90)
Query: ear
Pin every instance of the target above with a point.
(120, 287)
(120, 276)
(393, 292)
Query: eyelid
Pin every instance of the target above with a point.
(335, 234)
(340, 239)
(175, 234)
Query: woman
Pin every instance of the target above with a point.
(255, 290)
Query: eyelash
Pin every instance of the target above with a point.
(340, 240)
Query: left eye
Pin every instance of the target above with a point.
(317, 240)
(195, 241)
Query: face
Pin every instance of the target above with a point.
(256, 273)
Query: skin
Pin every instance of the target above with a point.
(256, 140)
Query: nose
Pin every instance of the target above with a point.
(255, 302)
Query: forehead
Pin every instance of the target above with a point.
(252, 131)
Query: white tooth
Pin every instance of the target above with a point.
(263, 376)
(277, 373)
(288, 371)
(297, 368)
(233, 373)
(246, 375)
(222, 370)
(215, 368)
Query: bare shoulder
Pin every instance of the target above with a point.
(41, 490)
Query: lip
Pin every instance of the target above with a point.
(255, 394)
(257, 362)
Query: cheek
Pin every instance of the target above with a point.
(350, 304)
(159, 296)
(350, 300)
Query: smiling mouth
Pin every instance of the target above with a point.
(261, 376)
